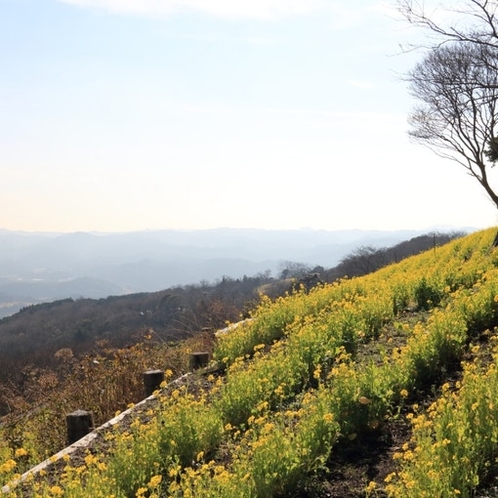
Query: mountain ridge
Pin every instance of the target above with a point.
(38, 266)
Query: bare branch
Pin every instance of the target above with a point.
(457, 89)
(456, 84)
(476, 24)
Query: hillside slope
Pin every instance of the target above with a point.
(402, 359)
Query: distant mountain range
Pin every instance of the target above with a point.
(38, 267)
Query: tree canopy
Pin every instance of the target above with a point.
(456, 86)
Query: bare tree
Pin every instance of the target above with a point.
(456, 85)
(468, 21)
(293, 269)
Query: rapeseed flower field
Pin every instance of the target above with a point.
(312, 372)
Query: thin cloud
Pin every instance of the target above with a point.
(228, 9)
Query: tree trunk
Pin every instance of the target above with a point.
(495, 242)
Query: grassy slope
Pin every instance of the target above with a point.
(319, 391)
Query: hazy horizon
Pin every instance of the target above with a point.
(41, 266)
(428, 229)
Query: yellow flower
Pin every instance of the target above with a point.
(371, 486)
(56, 491)
(408, 456)
(140, 492)
(8, 466)
(20, 452)
(173, 487)
(403, 393)
(155, 481)
(91, 459)
(268, 427)
(328, 417)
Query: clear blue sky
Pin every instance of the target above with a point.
(120, 115)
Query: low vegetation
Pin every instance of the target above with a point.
(397, 365)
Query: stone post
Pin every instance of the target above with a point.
(198, 360)
(79, 424)
(152, 381)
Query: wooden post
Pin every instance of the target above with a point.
(152, 381)
(198, 360)
(79, 423)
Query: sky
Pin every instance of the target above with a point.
(125, 115)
